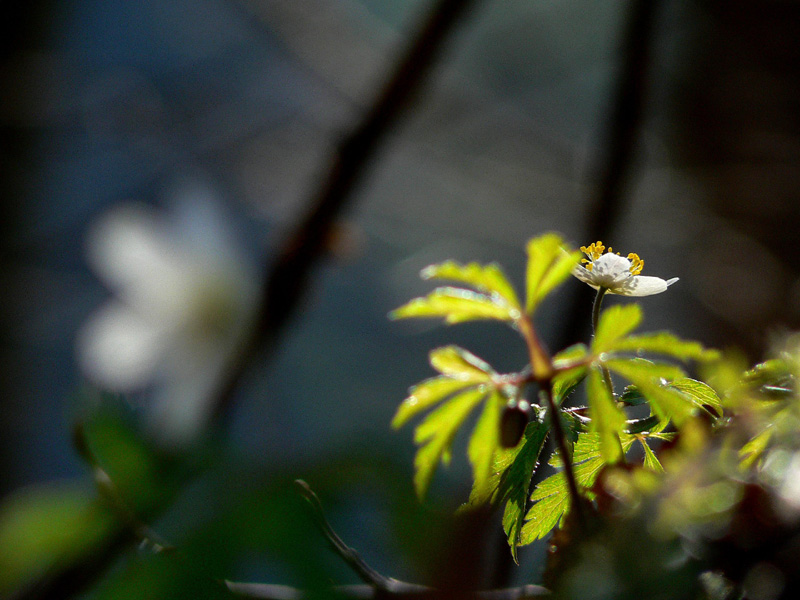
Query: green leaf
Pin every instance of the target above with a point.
(650, 459)
(456, 305)
(665, 343)
(615, 323)
(425, 395)
(460, 364)
(47, 527)
(485, 439)
(698, 393)
(753, 450)
(608, 419)
(650, 378)
(514, 486)
(489, 279)
(435, 435)
(548, 266)
(551, 497)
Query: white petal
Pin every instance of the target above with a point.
(642, 285)
(584, 274)
(132, 250)
(118, 349)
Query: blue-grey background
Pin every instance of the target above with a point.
(108, 101)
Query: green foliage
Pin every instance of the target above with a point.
(488, 279)
(607, 417)
(457, 305)
(549, 265)
(47, 527)
(615, 323)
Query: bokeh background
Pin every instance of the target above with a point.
(521, 129)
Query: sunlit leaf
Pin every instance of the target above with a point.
(435, 435)
(650, 459)
(460, 364)
(664, 343)
(651, 380)
(753, 450)
(608, 419)
(488, 279)
(699, 393)
(551, 498)
(514, 486)
(615, 323)
(485, 439)
(565, 382)
(456, 305)
(425, 395)
(548, 266)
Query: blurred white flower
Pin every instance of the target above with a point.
(183, 300)
(618, 275)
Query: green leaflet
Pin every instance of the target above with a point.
(488, 279)
(460, 364)
(650, 378)
(650, 459)
(608, 419)
(425, 395)
(665, 343)
(698, 393)
(565, 382)
(548, 266)
(615, 323)
(551, 497)
(457, 305)
(753, 450)
(485, 439)
(435, 435)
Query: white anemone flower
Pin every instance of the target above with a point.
(183, 301)
(616, 274)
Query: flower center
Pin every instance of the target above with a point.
(595, 251)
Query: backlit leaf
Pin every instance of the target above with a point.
(435, 435)
(664, 343)
(485, 439)
(488, 279)
(608, 419)
(615, 323)
(456, 305)
(425, 395)
(665, 401)
(548, 266)
(650, 459)
(698, 393)
(460, 364)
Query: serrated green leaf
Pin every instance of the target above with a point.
(565, 381)
(551, 497)
(665, 343)
(699, 393)
(548, 266)
(615, 323)
(435, 435)
(485, 439)
(650, 378)
(514, 487)
(456, 305)
(425, 395)
(650, 459)
(489, 279)
(608, 419)
(461, 364)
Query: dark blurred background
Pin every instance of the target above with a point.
(517, 133)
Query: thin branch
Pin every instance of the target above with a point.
(376, 585)
(286, 282)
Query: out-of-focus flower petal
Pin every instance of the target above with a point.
(119, 349)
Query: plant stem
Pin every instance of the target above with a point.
(598, 303)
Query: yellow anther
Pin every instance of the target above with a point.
(637, 264)
(594, 251)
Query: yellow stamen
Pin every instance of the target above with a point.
(637, 264)
(594, 251)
